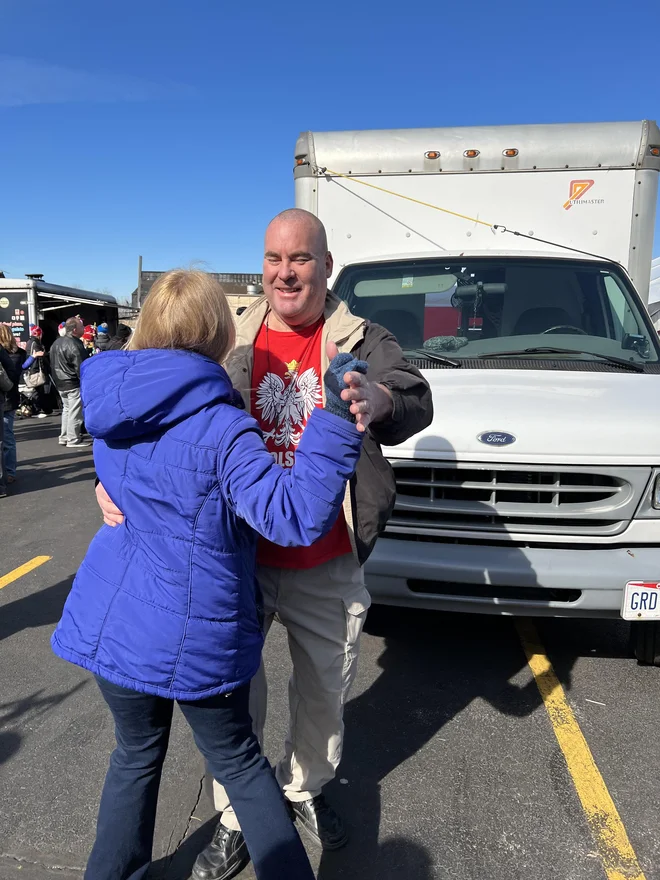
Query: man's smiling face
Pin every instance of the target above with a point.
(297, 266)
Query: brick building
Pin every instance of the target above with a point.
(240, 288)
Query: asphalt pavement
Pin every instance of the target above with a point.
(452, 765)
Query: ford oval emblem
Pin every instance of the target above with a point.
(496, 438)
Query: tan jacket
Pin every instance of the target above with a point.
(370, 496)
(341, 327)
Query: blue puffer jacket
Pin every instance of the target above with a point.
(167, 603)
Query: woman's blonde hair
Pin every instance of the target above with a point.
(7, 339)
(186, 309)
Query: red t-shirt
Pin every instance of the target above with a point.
(286, 388)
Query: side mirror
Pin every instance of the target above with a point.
(636, 342)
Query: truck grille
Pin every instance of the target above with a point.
(437, 498)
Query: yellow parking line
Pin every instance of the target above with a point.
(616, 852)
(23, 569)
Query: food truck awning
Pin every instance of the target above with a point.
(66, 300)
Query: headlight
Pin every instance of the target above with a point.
(655, 497)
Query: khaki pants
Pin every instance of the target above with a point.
(323, 610)
(72, 416)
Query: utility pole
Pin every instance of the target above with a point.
(139, 284)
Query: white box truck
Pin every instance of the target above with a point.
(512, 263)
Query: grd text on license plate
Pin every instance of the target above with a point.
(641, 601)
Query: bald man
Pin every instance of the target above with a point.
(317, 593)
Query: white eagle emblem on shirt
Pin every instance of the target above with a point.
(288, 407)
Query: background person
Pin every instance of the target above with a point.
(173, 613)
(5, 386)
(89, 339)
(67, 354)
(102, 336)
(37, 365)
(120, 339)
(14, 359)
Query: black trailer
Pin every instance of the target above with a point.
(31, 300)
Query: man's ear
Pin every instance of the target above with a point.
(329, 263)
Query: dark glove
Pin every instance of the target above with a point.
(334, 384)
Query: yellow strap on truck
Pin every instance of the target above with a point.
(495, 227)
(409, 198)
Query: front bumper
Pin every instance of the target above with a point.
(437, 572)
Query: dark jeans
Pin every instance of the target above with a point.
(3, 482)
(223, 733)
(9, 452)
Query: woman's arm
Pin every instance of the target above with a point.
(289, 507)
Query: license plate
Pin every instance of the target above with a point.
(641, 601)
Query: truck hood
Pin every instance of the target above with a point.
(556, 417)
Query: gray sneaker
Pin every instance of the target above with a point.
(77, 444)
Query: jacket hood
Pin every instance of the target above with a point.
(130, 393)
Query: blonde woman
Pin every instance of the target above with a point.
(166, 607)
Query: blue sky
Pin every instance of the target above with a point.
(167, 128)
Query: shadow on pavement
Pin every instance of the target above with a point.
(178, 865)
(10, 743)
(401, 858)
(35, 704)
(46, 459)
(75, 471)
(63, 467)
(565, 639)
(37, 609)
(433, 666)
(37, 429)
(394, 858)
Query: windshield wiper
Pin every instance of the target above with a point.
(542, 349)
(435, 357)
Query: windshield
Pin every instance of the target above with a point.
(482, 308)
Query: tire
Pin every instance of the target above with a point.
(645, 642)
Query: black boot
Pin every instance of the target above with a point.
(224, 857)
(321, 822)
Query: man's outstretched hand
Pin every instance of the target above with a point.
(112, 515)
(370, 402)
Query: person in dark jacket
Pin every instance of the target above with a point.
(14, 361)
(317, 593)
(102, 336)
(40, 404)
(173, 612)
(6, 385)
(120, 338)
(67, 354)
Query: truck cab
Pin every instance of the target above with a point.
(515, 280)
